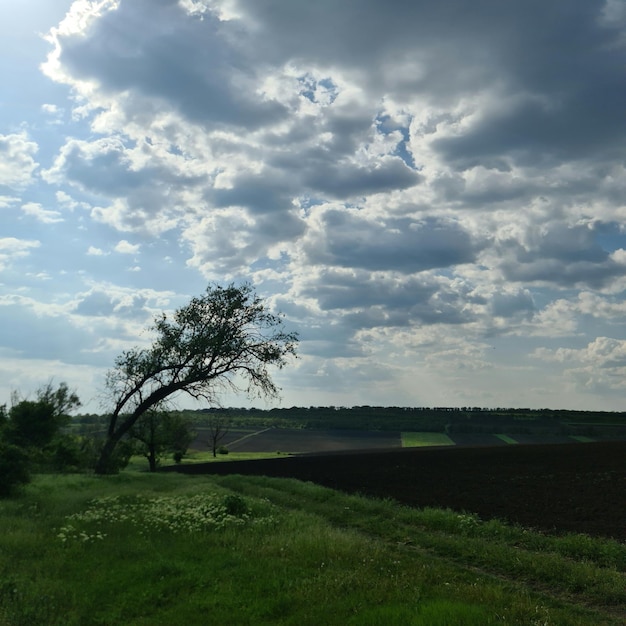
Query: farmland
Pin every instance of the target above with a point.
(339, 526)
(298, 440)
(165, 548)
(577, 487)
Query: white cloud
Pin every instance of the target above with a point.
(599, 366)
(12, 248)
(45, 216)
(8, 201)
(124, 247)
(17, 161)
(94, 251)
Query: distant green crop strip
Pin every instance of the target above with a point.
(421, 439)
(506, 439)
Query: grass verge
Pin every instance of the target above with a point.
(171, 549)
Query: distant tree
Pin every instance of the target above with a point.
(29, 432)
(217, 341)
(219, 426)
(157, 432)
(34, 423)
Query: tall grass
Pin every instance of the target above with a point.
(170, 549)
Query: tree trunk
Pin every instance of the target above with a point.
(103, 464)
(152, 458)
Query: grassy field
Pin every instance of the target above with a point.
(170, 549)
(139, 463)
(419, 439)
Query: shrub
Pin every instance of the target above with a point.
(222, 450)
(14, 469)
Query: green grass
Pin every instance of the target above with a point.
(170, 549)
(140, 464)
(582, 438)
(419, 439)
(506, 438)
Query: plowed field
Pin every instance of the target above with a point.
(553, 487)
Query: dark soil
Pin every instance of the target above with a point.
(551, 487)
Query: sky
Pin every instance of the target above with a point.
(432, 192)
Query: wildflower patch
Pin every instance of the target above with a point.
(172, 514)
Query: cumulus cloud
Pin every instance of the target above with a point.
(125, 247)
(348, 239)
(46, 216)
(17, 161)
(12, 249)
(93, 251)
(599, 366)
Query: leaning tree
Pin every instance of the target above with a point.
(225, 339)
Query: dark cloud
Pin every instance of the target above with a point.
(363, 301)
(556, 67)
(96, 304)
(562, 256)
(260, 194)
(513, 305)
(151, 48)
(106, 167)
(336, 289)
(344, 181)
(402, 244)
(558, 273)
(102, 304)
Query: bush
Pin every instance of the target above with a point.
(14, 469)
(120, 457)
(72, 453)
(222, 450)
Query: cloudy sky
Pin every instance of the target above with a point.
(433, 192)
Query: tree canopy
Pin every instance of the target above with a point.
(225, 339)
(156, 433)
(33, 423)
(30, 433)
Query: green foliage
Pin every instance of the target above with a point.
(33, 423)
(119, 457)
(157, 433)
(73, 453)
(14, 469)
(29, 435)
(217, 340)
